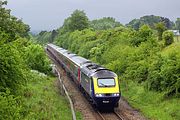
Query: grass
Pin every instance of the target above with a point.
(43, 101)
(152, 104)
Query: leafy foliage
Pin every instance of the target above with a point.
(45, 37)
(150, 20)
(168, 37)
(11, 25)
(36, 58)
(11, 72)
(160, 27)
(15, 73)
(77, 21)
(144, 33)
(104, 23)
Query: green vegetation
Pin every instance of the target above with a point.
(26, 92)
(160, 27)
(168, 37)
(11, 25)
(104, 23)
(150, 103)
(45, 37)
(77, 21)
(150, 20)
(42, 96)
(36, 58)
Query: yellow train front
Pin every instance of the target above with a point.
(104, 90)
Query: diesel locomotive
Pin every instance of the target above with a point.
(98, 83)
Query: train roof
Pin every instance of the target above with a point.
(95, 70)
(79, 60)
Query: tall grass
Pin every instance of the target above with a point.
(43, 100)
(152, 104)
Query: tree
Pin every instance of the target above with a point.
(77, 21)
(135, 23)
(167, 22)
(168, 37)
(150, 20)
(11, 25)
(178, 24)
(42, 32)
(104, 23)
(160, 27)
(54, 33)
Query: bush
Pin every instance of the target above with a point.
(164, 74)
(12, 69)
(168, 37)
(154, 76)
(170, 72)
(36, 58)
(144, 33)
(137, 71)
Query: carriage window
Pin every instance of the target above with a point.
(106, 82)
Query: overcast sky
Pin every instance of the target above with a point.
(50, 14)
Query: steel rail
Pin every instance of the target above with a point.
(118, 115)
(102, 117)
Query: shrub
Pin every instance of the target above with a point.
(154, 76)
(36, 58)
(170, 72)
(12, 69)
(137, 71)
(144, 33)
(168, 38)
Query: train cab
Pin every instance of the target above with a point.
(106, 92)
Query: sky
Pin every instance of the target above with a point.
(50, 14)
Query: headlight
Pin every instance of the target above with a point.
(99, 95)
(116, 94)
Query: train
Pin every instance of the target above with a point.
(99, 84)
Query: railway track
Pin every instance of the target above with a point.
(110, 116)
(118, 115)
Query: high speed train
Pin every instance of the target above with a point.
(98, 83)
